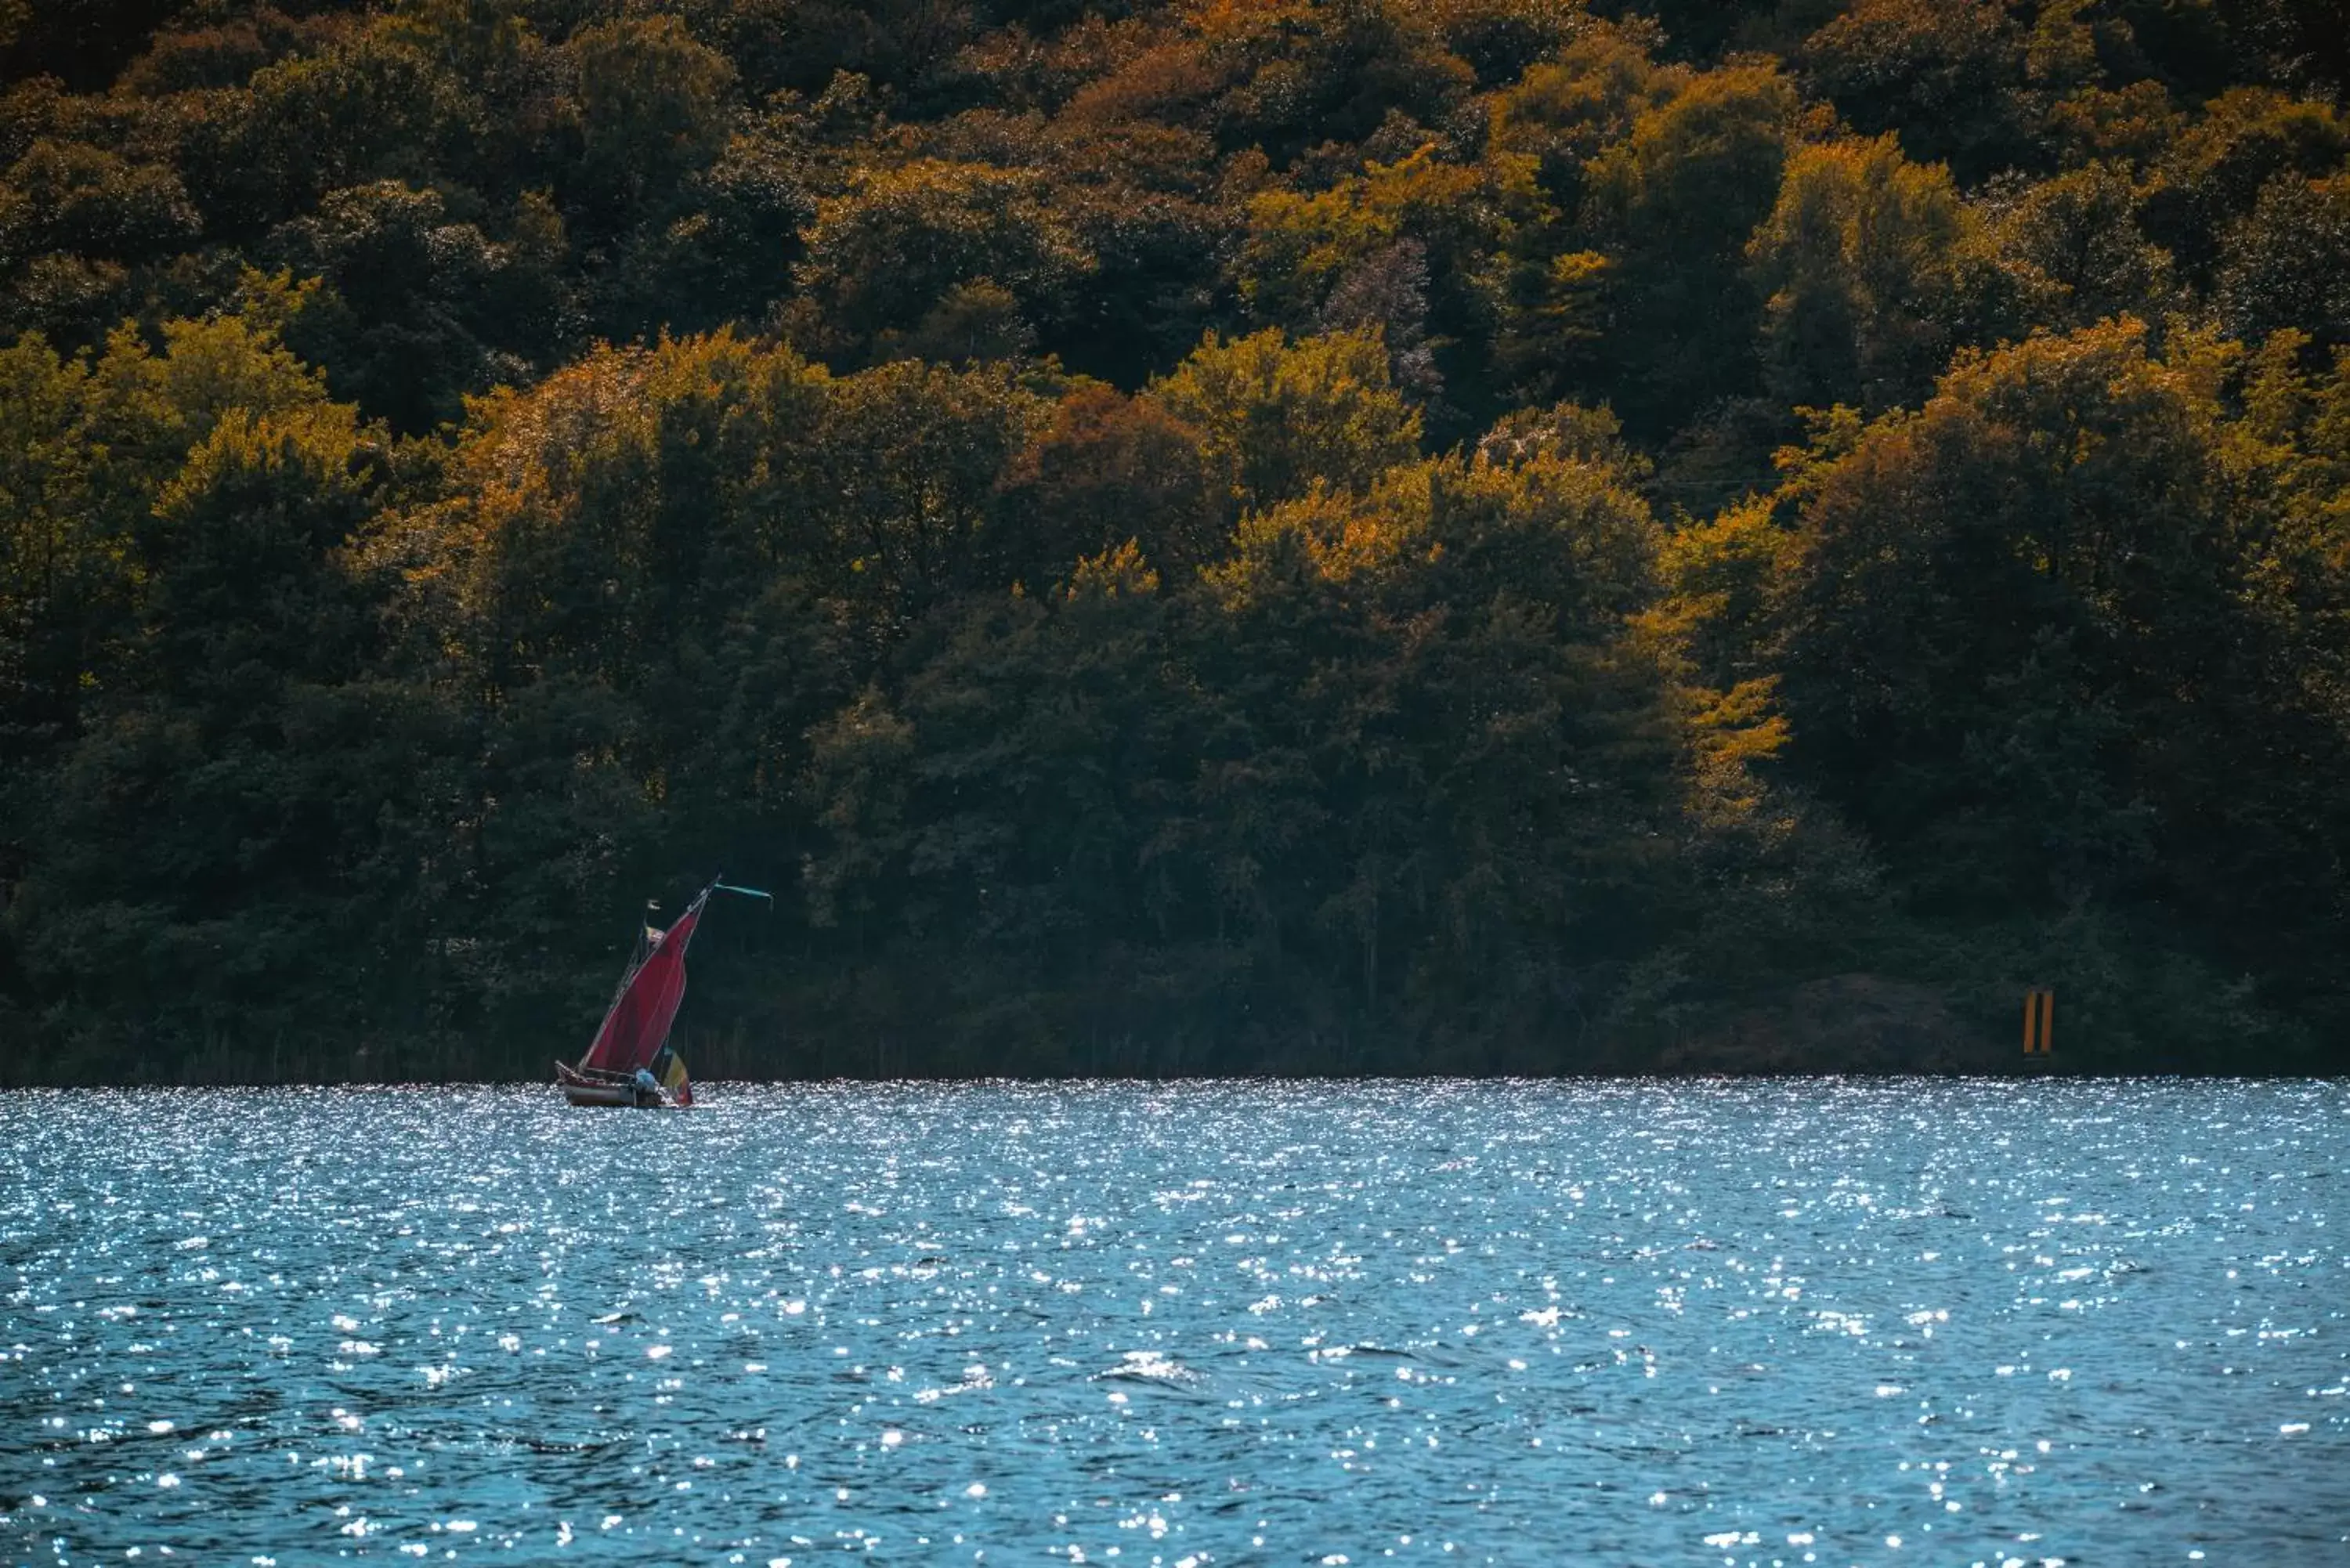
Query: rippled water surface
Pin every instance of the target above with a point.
(1785, 1323)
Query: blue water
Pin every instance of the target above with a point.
(1779, 1323)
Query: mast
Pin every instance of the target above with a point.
(636, 1024)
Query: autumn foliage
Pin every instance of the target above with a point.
(1225, 536)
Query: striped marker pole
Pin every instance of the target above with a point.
(2039, 1023)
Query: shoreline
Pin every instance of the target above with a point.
(1625, 1075)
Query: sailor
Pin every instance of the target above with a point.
(648, 1090)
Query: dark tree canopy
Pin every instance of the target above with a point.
(1223, 535)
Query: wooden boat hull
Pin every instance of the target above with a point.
(615, 1094)
(600, 1094)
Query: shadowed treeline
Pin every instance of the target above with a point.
(1239, 537)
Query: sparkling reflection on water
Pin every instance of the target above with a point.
(1785, 1322)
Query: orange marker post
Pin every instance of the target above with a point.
(2039, 1023)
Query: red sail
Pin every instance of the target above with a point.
(640, 1016)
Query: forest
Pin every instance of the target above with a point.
(1214, 536)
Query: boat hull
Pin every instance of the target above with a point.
(609, 1092)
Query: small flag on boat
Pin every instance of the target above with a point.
(673, 1079)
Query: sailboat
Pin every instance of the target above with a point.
(630, 1062)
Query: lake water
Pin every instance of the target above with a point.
(1772, 1322)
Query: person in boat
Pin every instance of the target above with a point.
(648, 1088)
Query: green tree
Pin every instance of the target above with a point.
(1674, 205)
(237, 793)
(2212, 175)
(1278, 418)
(1110, 469)
(2003, 612)
(1947, 78)
(887, 256)
(367, 107)
(71, 196)
(421, 310)
(61, 562)
(655, 107)
(1855, 263)
(2081, 258)
(1405, 247)
(2286, 266)
(1299, 75)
